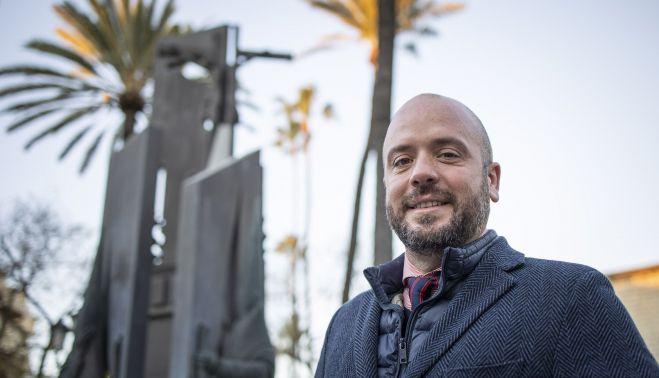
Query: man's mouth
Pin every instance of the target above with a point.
(426, 204)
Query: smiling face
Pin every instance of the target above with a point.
(438, 175)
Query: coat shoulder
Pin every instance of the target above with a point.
(559, 268)
(536, 269)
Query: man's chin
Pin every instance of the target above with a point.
(427, 222)
(426, 231)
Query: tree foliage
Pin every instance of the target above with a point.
(294, 139)
(16, 326)
(295, 135)
(362, 16)
(107, 54)
(34, 246)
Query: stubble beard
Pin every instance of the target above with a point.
(469, 218)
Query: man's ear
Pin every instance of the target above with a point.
(493, 179)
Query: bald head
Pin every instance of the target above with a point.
(441, 109)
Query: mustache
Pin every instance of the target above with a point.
(428, 189)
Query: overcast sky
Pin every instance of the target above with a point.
(567, 91)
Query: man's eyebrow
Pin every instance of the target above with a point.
(398, 149)
(437, 142)
(449, 141)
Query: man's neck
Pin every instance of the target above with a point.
(425, 262)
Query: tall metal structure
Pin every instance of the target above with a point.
(218, 322)
(180, 108)
(206, 290)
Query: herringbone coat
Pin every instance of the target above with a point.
(514, 317)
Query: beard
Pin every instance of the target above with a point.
(469, 218)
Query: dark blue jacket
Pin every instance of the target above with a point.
(511, 316)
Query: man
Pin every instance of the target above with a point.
(460, 301)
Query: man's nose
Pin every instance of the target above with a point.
(424, 172)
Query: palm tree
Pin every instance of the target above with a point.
(378, 22)
(294, 139)
(111, 50)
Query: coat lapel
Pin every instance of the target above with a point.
(484, 286)
(365, 346)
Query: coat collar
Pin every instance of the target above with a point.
(386, 279)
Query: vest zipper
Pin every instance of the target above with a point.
(404, 342)
(402, 351)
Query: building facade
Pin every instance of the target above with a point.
(638, 290)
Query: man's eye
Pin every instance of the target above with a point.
(402, 162)
(447, 155)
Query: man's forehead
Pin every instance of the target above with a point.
(431, 111)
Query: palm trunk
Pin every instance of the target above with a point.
(129, 124)
(353, 232)
(305, 258)
(380, 118)
(131, 102)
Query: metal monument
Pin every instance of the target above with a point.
(206, 290)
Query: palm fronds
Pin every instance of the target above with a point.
(362, 15)
(295, 136)
(62, 52)
(91, 151)
(69, 118)
(73, 141)
(109, 51)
